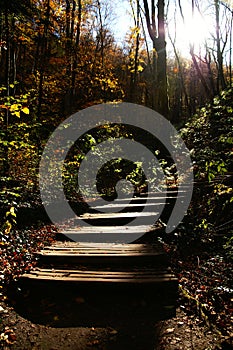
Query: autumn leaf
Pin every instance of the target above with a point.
(25, 110)
(140, 68)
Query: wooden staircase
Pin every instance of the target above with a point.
(90, 284)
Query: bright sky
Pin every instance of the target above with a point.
(123, 19)
(195, 29)
(229, 3)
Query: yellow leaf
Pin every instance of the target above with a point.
(140, 68)
(12, 211)
(25, 110)
(8, 228)
(17, 114)
(14, 107)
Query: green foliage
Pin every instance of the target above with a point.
(209, 136)
(19, 156)
(10, 220)
(117, 169)
(228, 246)
(111, 171)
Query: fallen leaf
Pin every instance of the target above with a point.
(1, 309)
(169, 330)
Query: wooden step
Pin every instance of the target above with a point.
(145, 277)
(117, 216)
(112, 219)
(102, 281)
(96, 298)
(151, 198)
(92, 284)
(104, 246)
(108, 255)
(108, 234)
(157, 285)
(121, 213)
(123, 208)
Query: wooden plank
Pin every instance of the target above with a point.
(105, 247)
(133, 272)
(89, 216)
(151, 198)
(107, 254)
(110, 229)
(158, 194)
(104, 274)
(112, 219)
(103, 253)
(130, 206)
(94, 251)
(100, 234)
(101, 280)
(99, 276)
(122, 246)
(85, 254)
(67, 250)
(75, 247)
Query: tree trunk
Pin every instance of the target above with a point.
(134, 74)
(221, 78)
(203, 81)
(182, 80)
(160, 55)
(43, 61)
(76, 46)
(6, 166)
(230, 51)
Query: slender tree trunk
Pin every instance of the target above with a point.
(203, 81)
(221, 78)
(78, 31)
(230, 51)
(134, 74)
(160, 54)
(101, 39)
(162, 62)
(76, 49)
(210, 72)
(72, 19)
(181, 75)
(73, 51)
(13, 56)
(43, 62)
(6, 166)
(67, 19)
(101, 34)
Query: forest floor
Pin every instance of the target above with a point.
(181, 332)
(204, 312)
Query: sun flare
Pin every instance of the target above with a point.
(194, 31)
